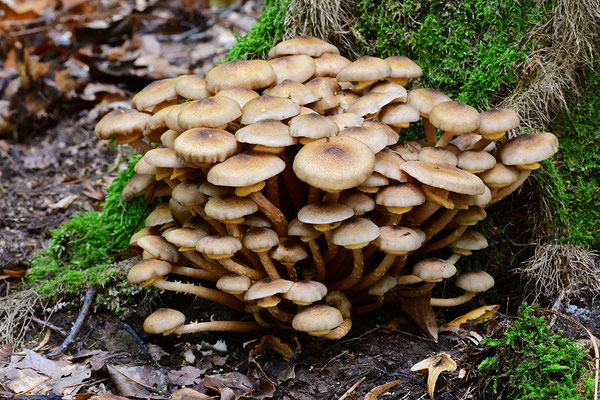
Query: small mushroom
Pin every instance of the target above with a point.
(471, 282)
(166, 321)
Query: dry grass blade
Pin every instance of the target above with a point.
(16, 311)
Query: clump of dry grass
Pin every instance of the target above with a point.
(562, 269)
(564, 44)
(16, 311)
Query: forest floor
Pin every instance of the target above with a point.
(54, 167)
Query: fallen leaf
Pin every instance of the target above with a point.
(435, 365)
(231, 385)
(376, 391)
(187, 375)
(135, 381)
(474, 317)
(14, 273)
(65, 202)
(188, 394)
(270, 342)
(419, 309)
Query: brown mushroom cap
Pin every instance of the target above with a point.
(233, 283)
(470, 216)
(372, 102)
(423, 100)
(345, 98)
(299, 228)
(268, 107)
(258, 221)
(355, 233)
(163, 158)
(188, 193)
(437, 155)
(218, 247)
(298, 68)
(192, 87)
(409, 151)
(159, 216)
(121, 123)
(305, 292)
(334, 163)
(148, 269)
(308, 45)
(154, 93)
(467, 200)
(260, 239)
(404, 67)
(498, 120)
(137, 185)
(360, 202)
(455, 117)
(475, 281)
(400, 195)
(470, 240)
(377, 127)
(475, 161)
(142, 167)
(295, 91)
(163, 320)
(389, 87)
(229, 208)
(324, 213)
(398, 239)
(325, 88)
(250, 74)
(288, 251)
(245, 169)
(266, 132)
(387, 163)
(185, 237)
(433, 269)
(211, 190)
(444, 176)
(203, 145)
(347, 120)
(398, 113)
(317, 318)
(313, 126)
(211, 112)
(267, 287)
(365, 69)
(330, 64)
(241, 95)
(376, 140)
(159, 248)
(528, 149)
(500, 175)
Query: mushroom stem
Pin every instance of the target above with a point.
(203, 263)
(455, 301)
(505, 191)
(445, 139)
(430, 134)
(273, 213)
(280, 315)
(445, 241)
(481, 144)
(260, 321)
(331, 197)
(453, 258)
(219, 227)
(266, 261)
(240, 269)
(233, 230)
(340, 331)
(416, 292)
(333, 267)
(393, 219)
(355, 275)
(218, 326)
(398, 265)
(420, 213)
(291, 271)
(404, 280)
(319, 263)
(206, 293)
(314, 195)
(273, 191)
(141, 145)
(377, 273)
(437, 225)
(374, 305)
(332, 249)
(291, 183)
(194, 273)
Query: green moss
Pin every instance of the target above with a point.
(468, 49)
(79, 253)
(532, 362)
(264, 34)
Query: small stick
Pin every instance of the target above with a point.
(89, 296)
(352, 388)
(140, 344)
(55, 328)
(87, 335)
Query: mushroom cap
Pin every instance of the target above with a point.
(498, 120)
(387, 163)
(245, 169)
(404, 67)
(389, 87)
(163, 158)
(148, 269)
(461, 200)
(250, 74)
(500, 175)
(376, 140)
(142, 167)
(306, 292)
(211, 112)
(240, 95)
(266, 132)
(185, 237)
(121, 123)
(398, 239)
(172, 117)
(154, 93)
(267, 287)
(433, 269)
(324, 213)
(330, 64)
(295, 91)
(159, 216)
(400, 195)
(268, 107)
(455, 117)
(260, 239)
(378, 127)
(192, 87)
(334, 163)
(258, 221)
(423, 100)
(163, 320)
(360, 202)
(204, 145)
(211, 190)
(372, 102)
(437, 155)
(233, 283)
(137, 185)
(229, 207)
(157, 120)
(347, 120)
(345, 98)
(188, 193)
(409, 151)
(466, 141)
(218, 246)
(299, 228)
(470, 240)
(444, 176)
(471, 216)
(317, 318)
(365, 69)
(355, 231)
(288, 251)
(475, 160)
(180, 212)
(475, 281)
(375, 180)
(398, 113)
(383, 285)
(308, 45)
(325, 88)
(313, 126)
(297, 68)
(159, 248)
(528, 149)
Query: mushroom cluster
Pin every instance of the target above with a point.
(290, 195)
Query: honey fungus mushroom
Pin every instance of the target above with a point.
(166, 321)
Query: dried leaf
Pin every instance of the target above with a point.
(419, 309)
(376, 391)
(132, 381)
(435, 365)
(270, 342)
(65, 202)
(188, 394)
(187, 375)
(14, 273)
(231, 384)
(474, 317)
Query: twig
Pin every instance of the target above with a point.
(89, 296)
(594, 344)
(140, 344)
(352, 388)
(87, 335)
(55, 328)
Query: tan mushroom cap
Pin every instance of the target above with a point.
(211, 112)
(211, 190)
(355, 233)
(218, 246)
(233, 283)
(258, 221)
(159, 248)
(142, 167)
(475, 281)
(245, 169)
(267, 287)
(471, 216)
(204, 145)
(390, 87)
(159, 216)
(379, 127)
(408, 151)
(168, 138)
(383, 286)
(324, 213)
(308, 45)
(475, 161)
(399, 114)
(250, 74)
(288, 251)
(163, 158)
(462, 201)
(148, 269)
(404, 67)
(229, 208)
(375, 139)
(305, 292)
(192, 87)
(423, 100)
(268, 107)
(345, 99)
(400, 195)
(312, 126)
(154, 93)
(298, 68)
(433, 269)
(347, 120)
(437, 155)
(260, 239)
(121, 123)
(466, 141)
(500, 175)
(469, 240)
(295, 91)
(373, 183)
(163, 320)
(360, 202)
(317, 318)
(188, 193)
(172, 117)
(180, 212)
(444, 176)
(267, 132)
(372, 102)
(299, 228)
(398, 239)
(137, 185)
(498, 120)
(387, 163)
(240, 95)
(325, 88)
(157, 123)
(335, 163)
(330, 64)
(455, 117)
(185, 238)
(365, 69)
(528, 149)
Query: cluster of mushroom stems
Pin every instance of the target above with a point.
(288, 192)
